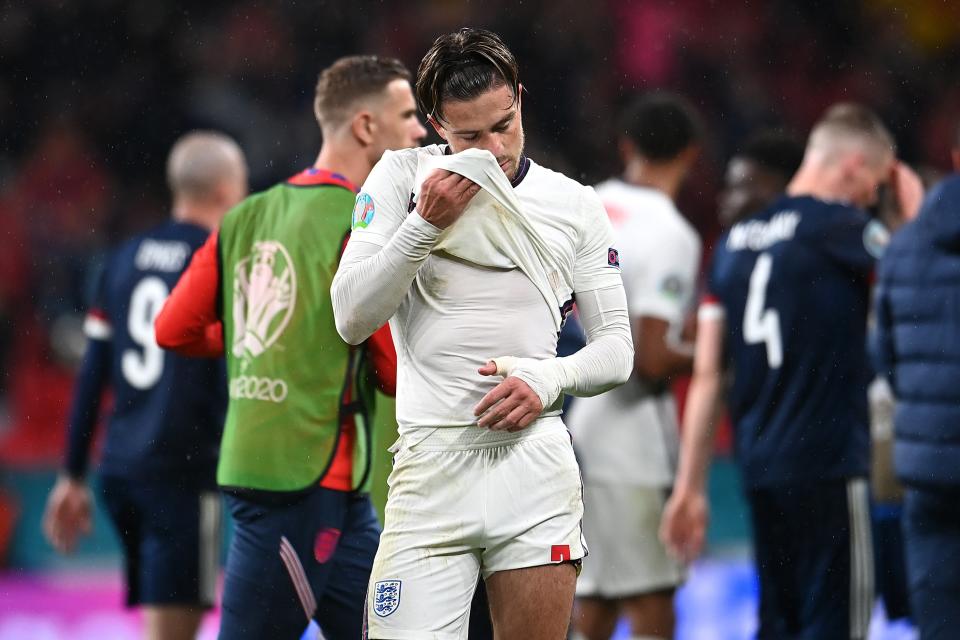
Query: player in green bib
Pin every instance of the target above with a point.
(295, 455)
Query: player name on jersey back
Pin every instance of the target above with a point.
(758, 235)
(162, 255)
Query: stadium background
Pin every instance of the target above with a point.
(93, 93)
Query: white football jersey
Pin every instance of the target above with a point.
(630, 433)
(457, 314)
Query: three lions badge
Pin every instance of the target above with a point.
(386, 597)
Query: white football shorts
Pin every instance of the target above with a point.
(626, 555)
(463, 502)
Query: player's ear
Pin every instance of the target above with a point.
(437, 127)
(851, 164)
(955, 154)
(690, 154)
(363, 127)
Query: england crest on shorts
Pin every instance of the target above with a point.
(386, 597)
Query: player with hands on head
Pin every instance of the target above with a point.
(787, 302)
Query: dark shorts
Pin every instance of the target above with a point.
(171, 540)
(331, 539)
(890, 561)
(931, 531)
(815, 560)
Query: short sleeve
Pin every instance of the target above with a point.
(598, 259)
(384, 200)
(660, 279)
(855, 240)
(710, 305)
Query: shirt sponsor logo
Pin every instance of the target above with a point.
(363, 211)
(760, 235)
(264, 295)
(613, 257)
(386, 597)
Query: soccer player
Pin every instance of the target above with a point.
(787, 303)
(757, 175)
(916, 349)
(160, 453)
(295, 456)
(485, 480)
(626, 440)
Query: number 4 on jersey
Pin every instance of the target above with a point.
(759, 324)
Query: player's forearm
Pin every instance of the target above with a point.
(91, 381)
(372, 281)
(699, 423)
(604, 363)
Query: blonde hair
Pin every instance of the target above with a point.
(849, 126)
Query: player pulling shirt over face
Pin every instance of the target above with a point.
(463, 497)
(457, 314)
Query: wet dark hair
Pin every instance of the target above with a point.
(461, 66)
(349, 79)
(775, 151)
(661, 124)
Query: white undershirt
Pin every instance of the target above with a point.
(449, 316)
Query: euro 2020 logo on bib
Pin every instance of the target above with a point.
(363, 212)
(386, 597)
(264, 293)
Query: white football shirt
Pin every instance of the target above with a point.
(630, 433)
(456, 314)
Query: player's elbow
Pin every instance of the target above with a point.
(348, 326)
(171, 334)
(349, 331)
(346, 314)
(165, 332)
(623, 366)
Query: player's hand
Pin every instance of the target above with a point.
(683, 526)
(510, 406)
(443, 197)
(68, 514)
(907, 190)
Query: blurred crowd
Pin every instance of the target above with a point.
(94, 93)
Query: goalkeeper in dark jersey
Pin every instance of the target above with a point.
(160, 451)
(295, 456)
